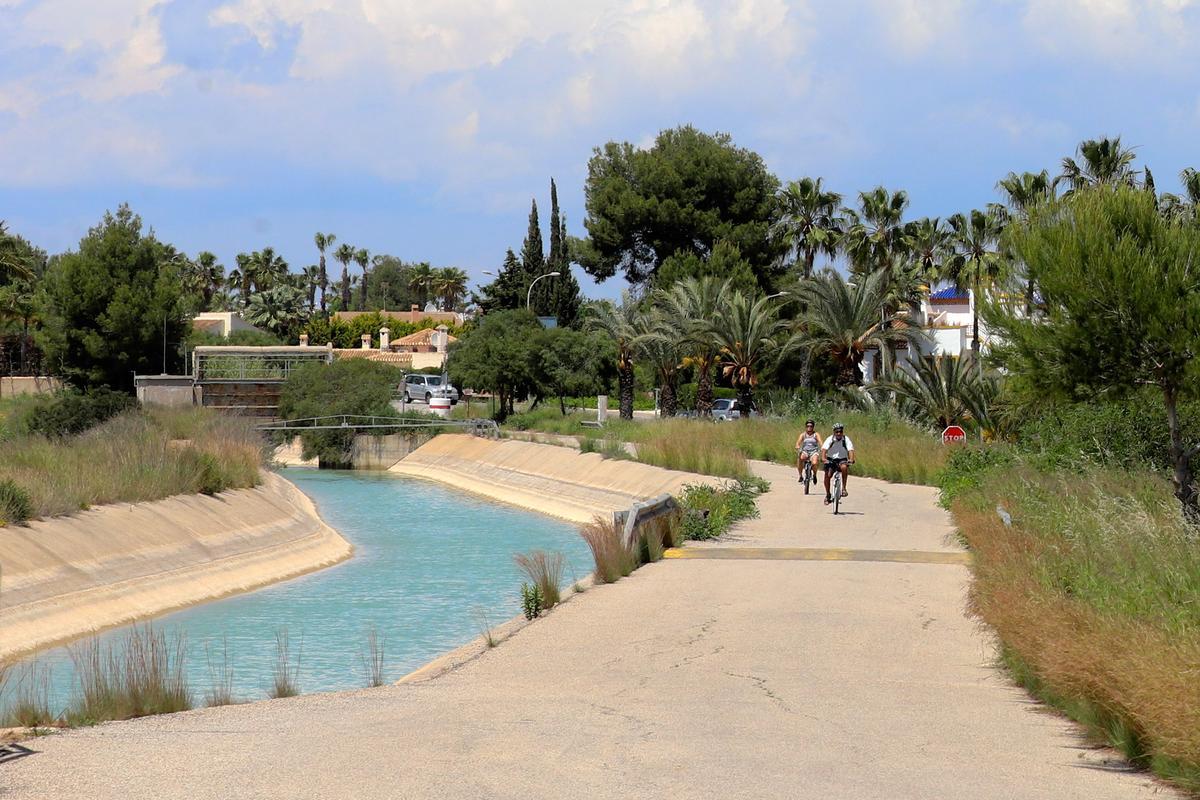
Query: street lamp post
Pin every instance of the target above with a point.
(529, 294)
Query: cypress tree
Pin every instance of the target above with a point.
(533, 263)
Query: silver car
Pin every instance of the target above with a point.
(724, 410)
(426, 387)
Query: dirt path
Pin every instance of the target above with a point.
(696, 678)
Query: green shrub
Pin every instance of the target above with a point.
(709, 512)
(354, 386)
(531, 600)
(15, 504)
(970, 466)
(1131, 433)
(69, 412)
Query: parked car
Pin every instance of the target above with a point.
(724, 410)
(426, 387)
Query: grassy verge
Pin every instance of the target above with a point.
(887, 447)
(136, 456)
(1093, 591)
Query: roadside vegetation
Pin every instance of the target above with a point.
(48, 469)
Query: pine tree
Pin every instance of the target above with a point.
(508, 290)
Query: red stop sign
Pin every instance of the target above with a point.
(954, 433)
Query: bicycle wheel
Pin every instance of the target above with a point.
(837, 491)
(808, 477)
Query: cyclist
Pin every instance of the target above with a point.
(838, 453)
(808, 448)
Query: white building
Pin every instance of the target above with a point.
(221, 323)
(947, 317)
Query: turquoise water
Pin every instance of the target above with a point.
(428, 563)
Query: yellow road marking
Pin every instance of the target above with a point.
(818, 554)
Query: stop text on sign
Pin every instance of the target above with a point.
(954, 434)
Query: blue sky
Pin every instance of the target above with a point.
(423, 128)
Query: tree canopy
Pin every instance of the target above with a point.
(684, 194)
(1120, 307)
(112, 307)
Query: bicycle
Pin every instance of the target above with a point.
(835, 486)
(810, 475)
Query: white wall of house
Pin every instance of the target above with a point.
(426, 360)
(227, 322)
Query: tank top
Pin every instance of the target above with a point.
(810, 443)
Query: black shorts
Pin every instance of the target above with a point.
(834, 463)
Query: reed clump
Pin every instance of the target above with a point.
(613, 559)
(138, 676)
(545, 571)
(287, 672)
(371, 659)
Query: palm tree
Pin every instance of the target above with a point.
(323, 241)
(312, 281)
(749, 336)
(1022, 194)
(269, 269)
(622, 324)
(693, 302)
(363, 259)
(210, 276)
(660, 343)
(245, 277)
(942, 391)
(345, 254)
(928, 242)
(450, 284)
(421, 278)
(1105, 162)
(278, 309)
(978, 260)
(875, 241)
(875, 233)
(12, 265)
(841, 320)
(809, 222)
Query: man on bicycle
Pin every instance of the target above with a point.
(808, 449)
(838, 453)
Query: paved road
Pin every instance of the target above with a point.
(696, 678)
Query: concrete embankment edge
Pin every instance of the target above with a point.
(72, 576)
(558, 481)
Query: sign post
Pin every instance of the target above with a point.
(954, 434)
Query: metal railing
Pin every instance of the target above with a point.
(337, 422)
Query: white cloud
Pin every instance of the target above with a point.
(917, 27)
(1146, 30)
(122, 36)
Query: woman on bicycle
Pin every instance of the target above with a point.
(808, 448)
(838, 453)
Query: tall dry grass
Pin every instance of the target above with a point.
(887, 446)
(220, 676)
(1093, 592)
(137, 456)
(286, 682)
(612, 558)
(545, 571)
(371, 659)
(26, 703)
(139, 676)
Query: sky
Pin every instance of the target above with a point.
(423, 128)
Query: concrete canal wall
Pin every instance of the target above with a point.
(559, 481)
(71, 576)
